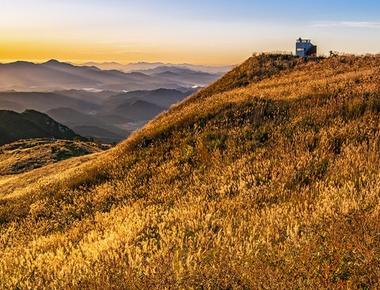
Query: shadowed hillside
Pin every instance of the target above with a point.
(268, 178)
(31, 124)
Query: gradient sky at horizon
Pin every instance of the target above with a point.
(201, 32)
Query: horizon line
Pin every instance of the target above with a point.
(83, 62)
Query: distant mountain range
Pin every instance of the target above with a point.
(139, 66)
(106, 116)
(54, 75)
(162, 97)
(181, 75)
(88, 125)
(31, 124)
(44, 101)
(119, 114)
(99, 101)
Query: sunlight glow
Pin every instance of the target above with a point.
(207, 32)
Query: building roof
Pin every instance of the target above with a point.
(300, 40)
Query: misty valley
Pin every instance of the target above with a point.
(104, 105)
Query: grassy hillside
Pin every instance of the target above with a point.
(26, 155)
(269, 178)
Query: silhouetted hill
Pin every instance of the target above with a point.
(31, 124)
(137, 109)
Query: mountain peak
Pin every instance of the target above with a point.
(53, 61)
(20, 63)
(31, 124)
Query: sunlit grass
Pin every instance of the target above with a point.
(267, 179)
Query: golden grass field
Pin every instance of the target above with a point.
(268, 179)
(26, 155)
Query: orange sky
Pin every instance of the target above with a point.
(79, 52)
(212, 32)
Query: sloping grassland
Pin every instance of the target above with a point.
(269, 178)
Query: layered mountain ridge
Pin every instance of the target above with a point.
(54, 75)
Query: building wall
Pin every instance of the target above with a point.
(304, 49)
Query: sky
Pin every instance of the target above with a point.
(181, 31)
